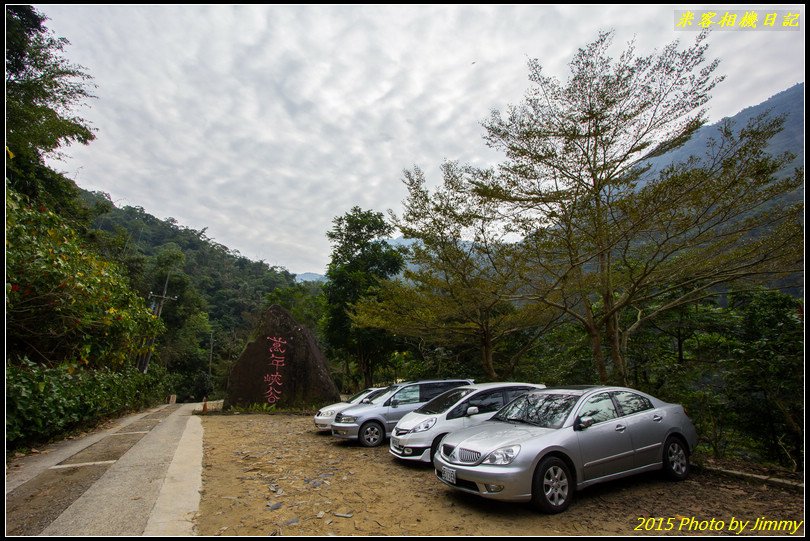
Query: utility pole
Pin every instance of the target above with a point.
(157, 309)
(211, 352)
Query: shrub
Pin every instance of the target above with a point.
(43, 403)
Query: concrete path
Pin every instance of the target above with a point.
(141, 477)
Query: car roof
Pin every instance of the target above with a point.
(495, 384)
(570, 389)
(582, 389)
(434, 381)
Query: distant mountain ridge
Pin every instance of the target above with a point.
(309, 277)
(789, 102)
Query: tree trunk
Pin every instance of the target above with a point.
(596, 350)
(616, 353)
(486, 357)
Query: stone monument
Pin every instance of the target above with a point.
(282, 365)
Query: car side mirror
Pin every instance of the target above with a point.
(583, 422)
(394, 403)
(365, 401)
(472, 410)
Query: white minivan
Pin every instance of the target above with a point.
(417, 435)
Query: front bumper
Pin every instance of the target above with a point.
(324, 423)
(411, 447)
(348, 431)
(511, 483)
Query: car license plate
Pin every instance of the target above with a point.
(449, 475)
(396, 442)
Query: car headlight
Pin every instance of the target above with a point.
(504, 455)
(326, 413)
(347, 419)
(427, 424)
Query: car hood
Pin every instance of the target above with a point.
(359, 409)
(412, 419)
(491, 435)
(336, 405)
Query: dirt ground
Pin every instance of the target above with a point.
(275, 475)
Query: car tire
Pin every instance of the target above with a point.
(371, 434)
(553, 486)
(676, 459)
(434, 447)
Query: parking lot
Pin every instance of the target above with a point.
(274, 475)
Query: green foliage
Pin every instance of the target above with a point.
(738, 370)
(42, 90)
(360, 257)
(305, 301)
(43, 403)
(63, 302)
(203, 280)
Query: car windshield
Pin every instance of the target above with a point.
(375, 394)
(444, 401)
(356, 398)
(384, 394)
(548, 410)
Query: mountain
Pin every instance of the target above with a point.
(309, 277)
(789, 102)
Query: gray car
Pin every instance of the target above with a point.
(543, 446)
(371, 423)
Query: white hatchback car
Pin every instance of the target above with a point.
(326, 415)
(417, 435)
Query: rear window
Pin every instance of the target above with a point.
(632, 402)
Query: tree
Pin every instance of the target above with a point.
(305, 301)
(42, 91)
(64, 304)
(461, 280)
(360, 257)
(602, 234)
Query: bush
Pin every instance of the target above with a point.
(43, 403)
(63, 301)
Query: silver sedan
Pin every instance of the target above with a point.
(543, 446)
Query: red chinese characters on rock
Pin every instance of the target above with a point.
(278, 347)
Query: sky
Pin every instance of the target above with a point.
(264, 123)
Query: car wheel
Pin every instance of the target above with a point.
(676, 459)
(434, 447)
(372, 434)
(553, 487)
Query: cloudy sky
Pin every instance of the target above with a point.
(263, 123)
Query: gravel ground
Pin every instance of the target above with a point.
(275, 475)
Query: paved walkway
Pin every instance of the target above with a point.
(141, 477)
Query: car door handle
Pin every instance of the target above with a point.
(657, 418)
(620, 428)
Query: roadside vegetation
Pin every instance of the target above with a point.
(574, 260)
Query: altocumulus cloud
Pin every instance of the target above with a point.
(263, 123)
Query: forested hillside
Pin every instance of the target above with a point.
(788, 104)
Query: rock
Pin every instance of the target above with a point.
(292, 522)
(283, 366)
(274, 506)
(348, 514)
(320, 514)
